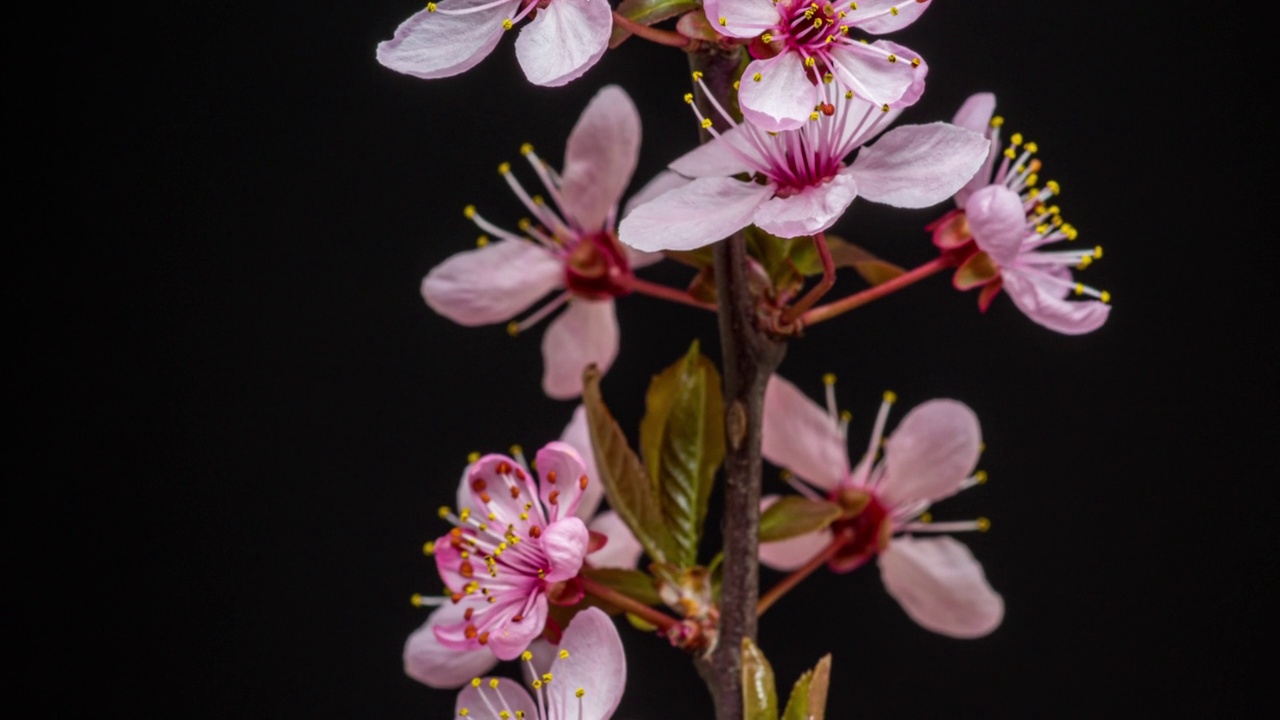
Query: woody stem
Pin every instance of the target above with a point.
(639, 609)
(844, 305)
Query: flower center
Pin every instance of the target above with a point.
(866, 520)
(597, 268)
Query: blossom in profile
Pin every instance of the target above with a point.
(562, 41)
(799, 181)
(584, 682)
(800, 44)
(569, 246)
(930, 456)
(1003, 222)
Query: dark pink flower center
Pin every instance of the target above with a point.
(597, 268)
(866, 523)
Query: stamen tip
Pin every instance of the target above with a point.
(983, 524)
(890, 397)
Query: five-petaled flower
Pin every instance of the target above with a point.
(804, 43)
(575, 249)
(584, 682)
(564, 39)
(1001, 225)
(930, 456)
(801, 184)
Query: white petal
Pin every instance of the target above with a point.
(782, 98)
(578, 435)
(705, 211)
(595, 663)
(493, 283)
(931, 452)
(941, 586)
(809, 211)
(434, 44)
(585, 333)
(600, 157)
(801, 437)
(564, 40)
(434, 665)
(915, 166)
(622, 550)
(997, 221)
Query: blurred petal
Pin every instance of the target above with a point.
(941, 586)
(975, 114)
(437, 666)
(809, 211)
(703, 212)
(622, 550)
(564, 40)
(792, 553)
(1042, 304)
(578, 435)
(435, 45)
(585, 333)
(729, 154)
(930, 453)
(916, 166)
(801, 437)
(493, 283)
(594, 661)
(600, 157)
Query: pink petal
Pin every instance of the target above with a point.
(975, 114)
(874, 16)
(811, 210)
(742, 17)
(723, 156)
(564, 40)
(493, 283)
(437, 666)
(512, 637)
(595, 663)
(600, 157)
(871, 76)
(782, 98)
(919, 73)
(485, 481)
(622, 550)
(660, 184)
(565, 543)
(997, 222)
(941, 586)
(916, 166)
(473, 700)
(1069, 317)
(585, 333)
(435, 45)
(561, 470)
(705, 211)
(578, 436)
(930, 453)
(801, 437)
(794, 552)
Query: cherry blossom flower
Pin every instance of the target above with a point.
(564, 39)
(801, 184)
(584, 682)
(802, 43)
(1001, 225)
(930, 456)
(571, 247)
(430, 662)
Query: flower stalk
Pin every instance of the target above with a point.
(857, 300)
(662, 37)
(787, 583)
(661, 620)
(817, 291)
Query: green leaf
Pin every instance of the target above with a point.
(625, 484)
(793, 515)
(682, 442)
(648, 12)
(798, 704)
(872, 269)
(759, 696)
(808, 699)
(634, 584)
(699, 258)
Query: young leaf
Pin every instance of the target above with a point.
(759, 695)
(793, 515)
(808, 699)
(682, 442)
(625, 484)
(648, 12)
(634, 584)
(871, 268)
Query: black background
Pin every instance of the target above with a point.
(236, 416)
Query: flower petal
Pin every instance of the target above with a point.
(599, 158)
(883, 16)
(594, 662)
(435, 45)
(564, 40)
(801, 437)
(563, 474)
(492, 283)
(782, 97)
(622, 550)
(997, 222)
(565, 543)
(586, 333)
(811, 210)
(578, 436)
(703, 212)
(975, 114)
(916, 166)
(493, 480)
(508, 697)
(794, 552)
(743, 18)
(729, 154)
(865, 70)
(930, 453)
(941, 586)
(1069, 317)
(437, 666)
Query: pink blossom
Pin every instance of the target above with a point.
(804, 44)
(930, 456)
(570, 245)
(584, 682)
(801, 184)
(564, 39)
(1001, 225)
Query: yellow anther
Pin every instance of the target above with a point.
(1053, 187)
(737, 84)
(469, 211)
(464, 712)
(757, 77)
(688, 98)
(431, 7)
(1097, 252)
(845, 416)
(504, 168)
(848, 94)
(1043, 228)
(829, 379)
(853, 6)
(539, 200)
(890, 397)
(915, 62)
(893, 11)
(1057, 221)
(723, 22)
(1104, 296)
(475, 682)
(926, 518)
(493, 683)
(1015, 139)
(524, 224)
(1032, 148)
(564, 654)
(1032, 179)
(504, 715)
(828, 78)
(1085, 262)
(523, 516)
(526, 148)
(580, 692)
(513, 329)
(546, 677)
(817, 23)
(416, 600)
(537, 684)
(980, 477)
(996, 121)
(844, 30)
(892, 58)
(1070, 231)
(1009, 153)
(517, 450)
(814, 115)
(884, 107)
(506, 24)
(473, 457)
(429, 547)
(697, 75)
(482, 241)
(810, 62)
(983, 524)
(766, 38)
(1079, 289)
(444, 512)
(706, 123)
